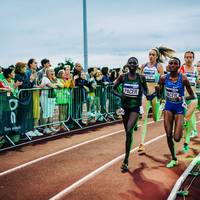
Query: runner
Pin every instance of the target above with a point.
(152, 72)
(194, 132)
(198, 86)
(190, 119)
(133, 85)
(174, 83)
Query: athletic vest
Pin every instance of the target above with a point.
(151, 74)
(192, 77)
(132, 89)
(198, 87)
(173, 90)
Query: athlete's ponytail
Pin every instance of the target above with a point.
(163, 53)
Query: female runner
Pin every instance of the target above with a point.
(133, 86)
(174, 83)
(152, 72)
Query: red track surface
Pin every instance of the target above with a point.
(148, 178)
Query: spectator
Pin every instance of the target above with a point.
(25, 106)
(32, 72)
(42, 72)
(1, 74)
(106, 79)
(91, 94)
(125, 69)
(63, 97)
(77, 69)
(48, 98)
(113, 75)
(99, 95)
(8, 81)
(106, 91)
(80, 95)
(99, 77)
(12, 88)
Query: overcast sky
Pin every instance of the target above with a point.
(117, 29)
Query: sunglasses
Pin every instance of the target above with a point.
(133, 62)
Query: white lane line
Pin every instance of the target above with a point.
(60, 151)
(96, 172)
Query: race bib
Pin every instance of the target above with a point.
(131, 90)
(149, 75)
(172, 94)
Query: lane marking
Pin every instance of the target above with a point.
(61, 151)
(96, 172)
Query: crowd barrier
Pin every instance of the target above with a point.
(47, 108)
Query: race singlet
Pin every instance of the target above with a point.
(192, 77)
(151, 74)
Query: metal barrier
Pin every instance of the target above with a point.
(181, 179)
(45, 108)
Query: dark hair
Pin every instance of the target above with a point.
(189, 52)
(8, 71)
(2, 69)
(44, 61)
(124, 67)
(91, 69)
(135, 59)
(104, 70)
(18, 67)
(175, 58)
(30, 62)
(113, 75)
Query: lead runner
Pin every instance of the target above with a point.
(133, 86)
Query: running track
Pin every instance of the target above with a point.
(91, 170)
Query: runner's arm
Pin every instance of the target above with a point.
(160, 69)
(160, 88)
(117, 82)
(186, 83)
(144, 85)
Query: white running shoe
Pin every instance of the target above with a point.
(31, 134)
(53, 129)
(193, 134)
(36, 132)
(47, 131)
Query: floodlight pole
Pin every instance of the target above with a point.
(85, 42)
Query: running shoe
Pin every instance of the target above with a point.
(47, 131)
(194, 133)
(37, 133)
(31, 134)
(172, 163)
(185, 148)
(53, 129)
(141, 148)
(186, 123)
(124, 167)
